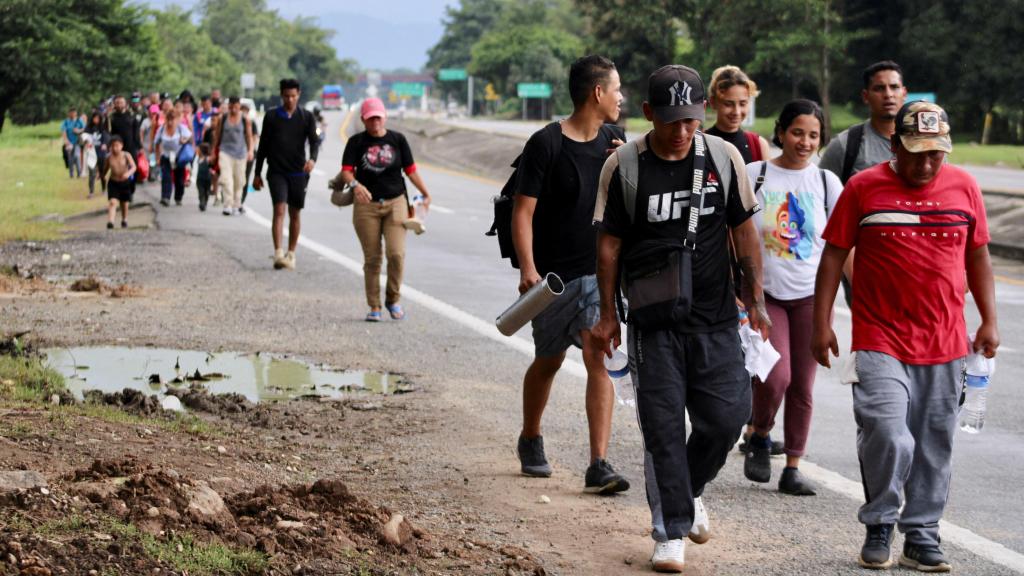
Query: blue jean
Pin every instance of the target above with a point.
(169, 177)
(74, 157)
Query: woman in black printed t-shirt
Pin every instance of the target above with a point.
(374, 161)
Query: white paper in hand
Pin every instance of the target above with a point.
(760, 356)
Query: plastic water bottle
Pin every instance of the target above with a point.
(618, 370)
(979, 372)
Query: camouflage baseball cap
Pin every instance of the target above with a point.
(923, 126)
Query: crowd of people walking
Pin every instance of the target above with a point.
(684, 234)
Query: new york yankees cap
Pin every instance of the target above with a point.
(923, 126)
(676, 93)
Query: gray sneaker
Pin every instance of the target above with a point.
(876, 552)
(531, 457)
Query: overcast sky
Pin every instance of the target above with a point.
(379, 34)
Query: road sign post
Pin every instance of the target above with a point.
(445, 74)
(527, 90)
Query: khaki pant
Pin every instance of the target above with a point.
(372, 221)
(232, 179)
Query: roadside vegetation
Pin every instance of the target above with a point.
(34, 183)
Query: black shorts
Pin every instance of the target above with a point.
(288, 188)
(120, 191)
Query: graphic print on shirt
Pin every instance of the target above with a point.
(788, 228)
(378, 158)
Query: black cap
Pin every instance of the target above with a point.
(676, 93)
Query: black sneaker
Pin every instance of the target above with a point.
(164, 202)
(758, 464)
(793, 483)
(778, 448)
(602, 479)
(531, 457)
(124, 223)
(877, 549)
(924, 558)
(110, 225)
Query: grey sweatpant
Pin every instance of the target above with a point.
(906, 418)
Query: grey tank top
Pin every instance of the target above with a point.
(232, 139)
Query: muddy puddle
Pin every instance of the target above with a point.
(258, 377)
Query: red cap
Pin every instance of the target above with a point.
(373, 107)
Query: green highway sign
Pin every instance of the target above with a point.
(451, 74)
(414, 89)
(533, 90)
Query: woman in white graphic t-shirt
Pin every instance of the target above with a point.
(797, 199)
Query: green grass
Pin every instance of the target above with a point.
(1004, 155)
(33, 381)
(181, 423)
(34, 182)
(181, 551)
(842, 118)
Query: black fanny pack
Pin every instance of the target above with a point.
(658, 275)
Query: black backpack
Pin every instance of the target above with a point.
(505, 201)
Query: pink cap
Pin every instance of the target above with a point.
(154, 109)
(373, 107)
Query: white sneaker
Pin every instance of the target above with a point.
(289, 260)
(700, 532)
(278, 259)
(669, 556)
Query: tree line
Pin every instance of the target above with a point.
(967, 53)
(59, 53)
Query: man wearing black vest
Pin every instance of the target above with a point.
(553, 232)
(666, 204)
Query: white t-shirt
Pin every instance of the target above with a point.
(169, 143)
(790, 224)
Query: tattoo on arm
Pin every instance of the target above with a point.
(751, 289)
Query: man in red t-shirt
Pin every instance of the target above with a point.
(917, 224)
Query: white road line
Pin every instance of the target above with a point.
(441, 209)
(319, 172)
(479, 326)
(962, 537)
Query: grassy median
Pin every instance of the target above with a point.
(34, 183)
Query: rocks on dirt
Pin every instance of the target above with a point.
(13, 480)
(129, 400)
(397, 532)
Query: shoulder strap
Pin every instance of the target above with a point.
(629, 172)
(853, 139)
(754, 142)
(760, 177)
(720, 158)
(824, 187)
(697, 192)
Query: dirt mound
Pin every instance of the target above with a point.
(103, 469)
(196, 397)
(323, 517)
(129, 400)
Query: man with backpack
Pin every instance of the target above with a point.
(666, 204)
(286, 130)
(552, 231)
(866, 144)
(232, 150)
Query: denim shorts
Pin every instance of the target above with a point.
(558, 327)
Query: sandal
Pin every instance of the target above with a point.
(396, 311)
(374, 316)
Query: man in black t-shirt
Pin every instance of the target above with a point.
(552, 229)
(286, 131)
(696, 365)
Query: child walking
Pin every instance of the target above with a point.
(121, 169)
(204, 176)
